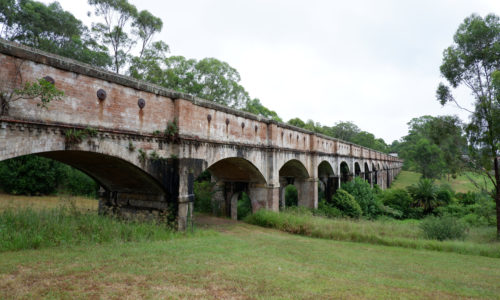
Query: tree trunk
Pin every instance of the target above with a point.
(497, 194)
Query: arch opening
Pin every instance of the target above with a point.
(328, 182)
(295, 173)
(357, 170)
(368, 174)
(344, 172)
(232, 185)
(126, 189)
(375, 174)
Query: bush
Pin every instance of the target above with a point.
(480, 213)
(362, 192)
(444, 228)
(203, 192)
(424, 194)
(327, 210)
(75, 182)
(346, 203)
(291, 196)
(244, 206)
(30, 175)
(34, 175)
(397, 199)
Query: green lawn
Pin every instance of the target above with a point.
(242, 261)
(460, 184)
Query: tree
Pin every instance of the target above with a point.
(146, 25)
(297, 122)
(345, 131)
(474, 60)
(50, 28)
(254, 106)
(428, 158)
(117, 14)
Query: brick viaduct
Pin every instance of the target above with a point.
(152, 174)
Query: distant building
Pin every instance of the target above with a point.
(393, 154)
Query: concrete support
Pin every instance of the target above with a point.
(264, 196)
(308, 192)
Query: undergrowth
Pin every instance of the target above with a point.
(400, 234)
(66, 226)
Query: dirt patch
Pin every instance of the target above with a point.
(211, 222)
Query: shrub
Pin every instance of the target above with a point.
(244, 206)
(346, 203)
(362, 192)
(444, 228)
(29, 175)
(327, 210)
(291, 196)
(480, 213)
(75, 182)
(203, 192)
(424, 194)
(397, 199)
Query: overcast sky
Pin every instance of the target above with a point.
(375, 63)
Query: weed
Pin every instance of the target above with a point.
(142, 156)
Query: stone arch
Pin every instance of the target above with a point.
(126, 189)
(236, 169)
(357, 169)
(375, 174)
(345, 174)
(327, 182)
(233, 176)
(367, 173)
(294, 172)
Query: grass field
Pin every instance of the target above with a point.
(460, 184)
(242, 261)
(226, 259)
(18, 201)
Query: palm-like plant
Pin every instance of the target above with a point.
(424, 194)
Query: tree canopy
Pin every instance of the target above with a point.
(473, 60)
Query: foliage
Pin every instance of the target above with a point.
(42, 90)
(34, 175)
(50, 28)
(434, 146)
(131, 146)
(346, 131)
(203, 192)
(142, 156)
(388, 233)
(66, 226)
(75, 136)
(428, 158)
(397, 199)
(291, 196)
(475, 209)
(254, 106)
(244, 206)
(363, 194)
(117, 14)
(29, 175)
(346, 203)
(327, 210)
(424, 194)
(74, 182)
(444, 228)
(474, 60)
